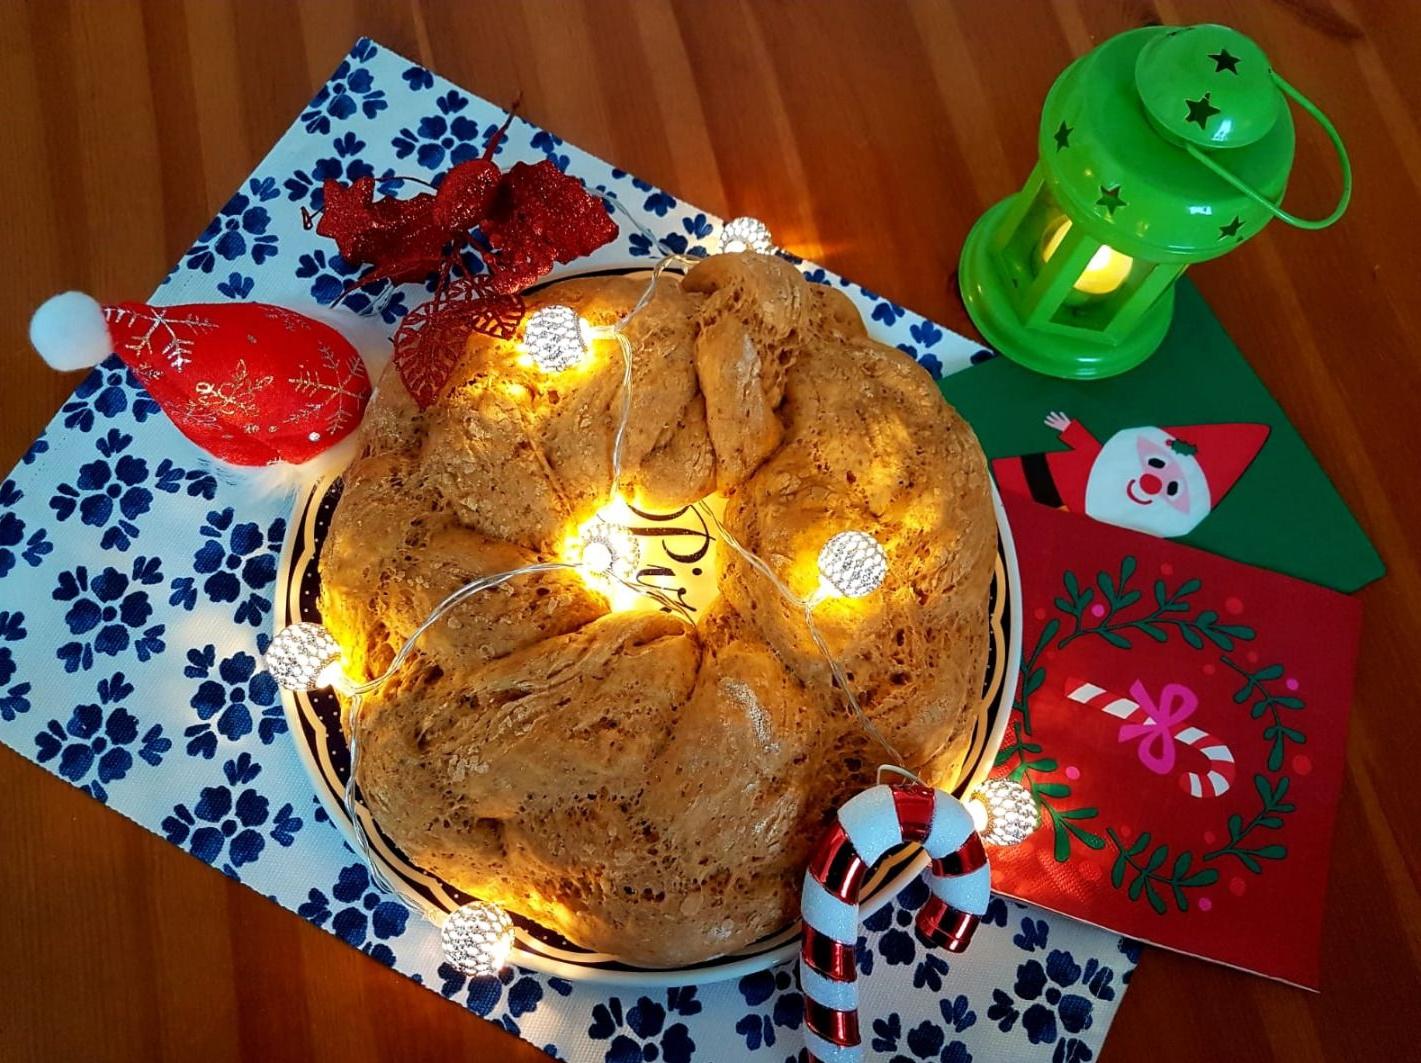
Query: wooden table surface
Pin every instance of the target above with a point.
(869, 136)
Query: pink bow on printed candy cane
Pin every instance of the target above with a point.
(1156, 723)
(1176, 704)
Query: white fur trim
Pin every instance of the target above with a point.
(69, 331)
(284, 478)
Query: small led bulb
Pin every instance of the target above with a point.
(745, 234)
(1003, 811)
(304, 657)
(557, 338)
(477, 938)
(852, 564)
(609, 550)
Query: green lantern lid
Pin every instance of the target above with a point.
(1208, 85)
(1113, 161)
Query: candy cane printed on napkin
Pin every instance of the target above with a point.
(1153, 721)
(136, 592)
(1181, 725)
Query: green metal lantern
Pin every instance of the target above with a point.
(1162, 147)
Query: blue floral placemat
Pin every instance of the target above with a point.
(135, 600)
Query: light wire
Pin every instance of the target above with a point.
(356, 692)
(841, 679)
(355, 716)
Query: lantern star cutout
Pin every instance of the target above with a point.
(1063, 136)
(1231, 229)
(1200, 111)
(1110, 199)
(1223, 60)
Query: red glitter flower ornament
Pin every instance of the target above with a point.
(541, 216)
(398, 237)
(520, 223)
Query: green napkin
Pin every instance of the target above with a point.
(1277, 509)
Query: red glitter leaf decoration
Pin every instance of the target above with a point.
(465, 194)
(428, 344)
(496, 314)
(431, 338)
(401, 238)
(541, 216)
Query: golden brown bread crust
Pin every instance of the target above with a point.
(642, 786)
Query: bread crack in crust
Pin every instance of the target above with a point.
(647, 787)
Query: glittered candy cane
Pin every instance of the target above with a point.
(868, 825)
(1156, 723)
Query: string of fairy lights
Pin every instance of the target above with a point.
(477, 937)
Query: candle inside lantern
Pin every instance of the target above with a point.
(1106, 270)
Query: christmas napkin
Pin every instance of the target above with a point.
(1190, 445)
(1181, 723)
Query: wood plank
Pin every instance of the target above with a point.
(870, 135)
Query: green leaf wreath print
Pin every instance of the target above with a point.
(1114, 608)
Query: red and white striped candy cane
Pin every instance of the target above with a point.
(1141, 717)
(868, 826)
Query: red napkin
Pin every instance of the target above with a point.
(1181, 722)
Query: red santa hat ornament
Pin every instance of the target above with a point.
(250, 383)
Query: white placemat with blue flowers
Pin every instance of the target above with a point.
(135, 600)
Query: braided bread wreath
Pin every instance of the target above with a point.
(644, 786)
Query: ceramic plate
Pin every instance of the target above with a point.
(315, 724)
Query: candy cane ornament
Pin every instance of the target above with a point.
(867, 826)
(1155, 723)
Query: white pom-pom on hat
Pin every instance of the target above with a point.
(69, 331)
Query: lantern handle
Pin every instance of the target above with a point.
(1253, 193)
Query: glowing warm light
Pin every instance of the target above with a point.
(746, 234)
(556, 338)
(852, 564)
(1004, 812)
(608, 554)
(477, 939)
(1106, 270)
(304, 657)
(609, 549)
